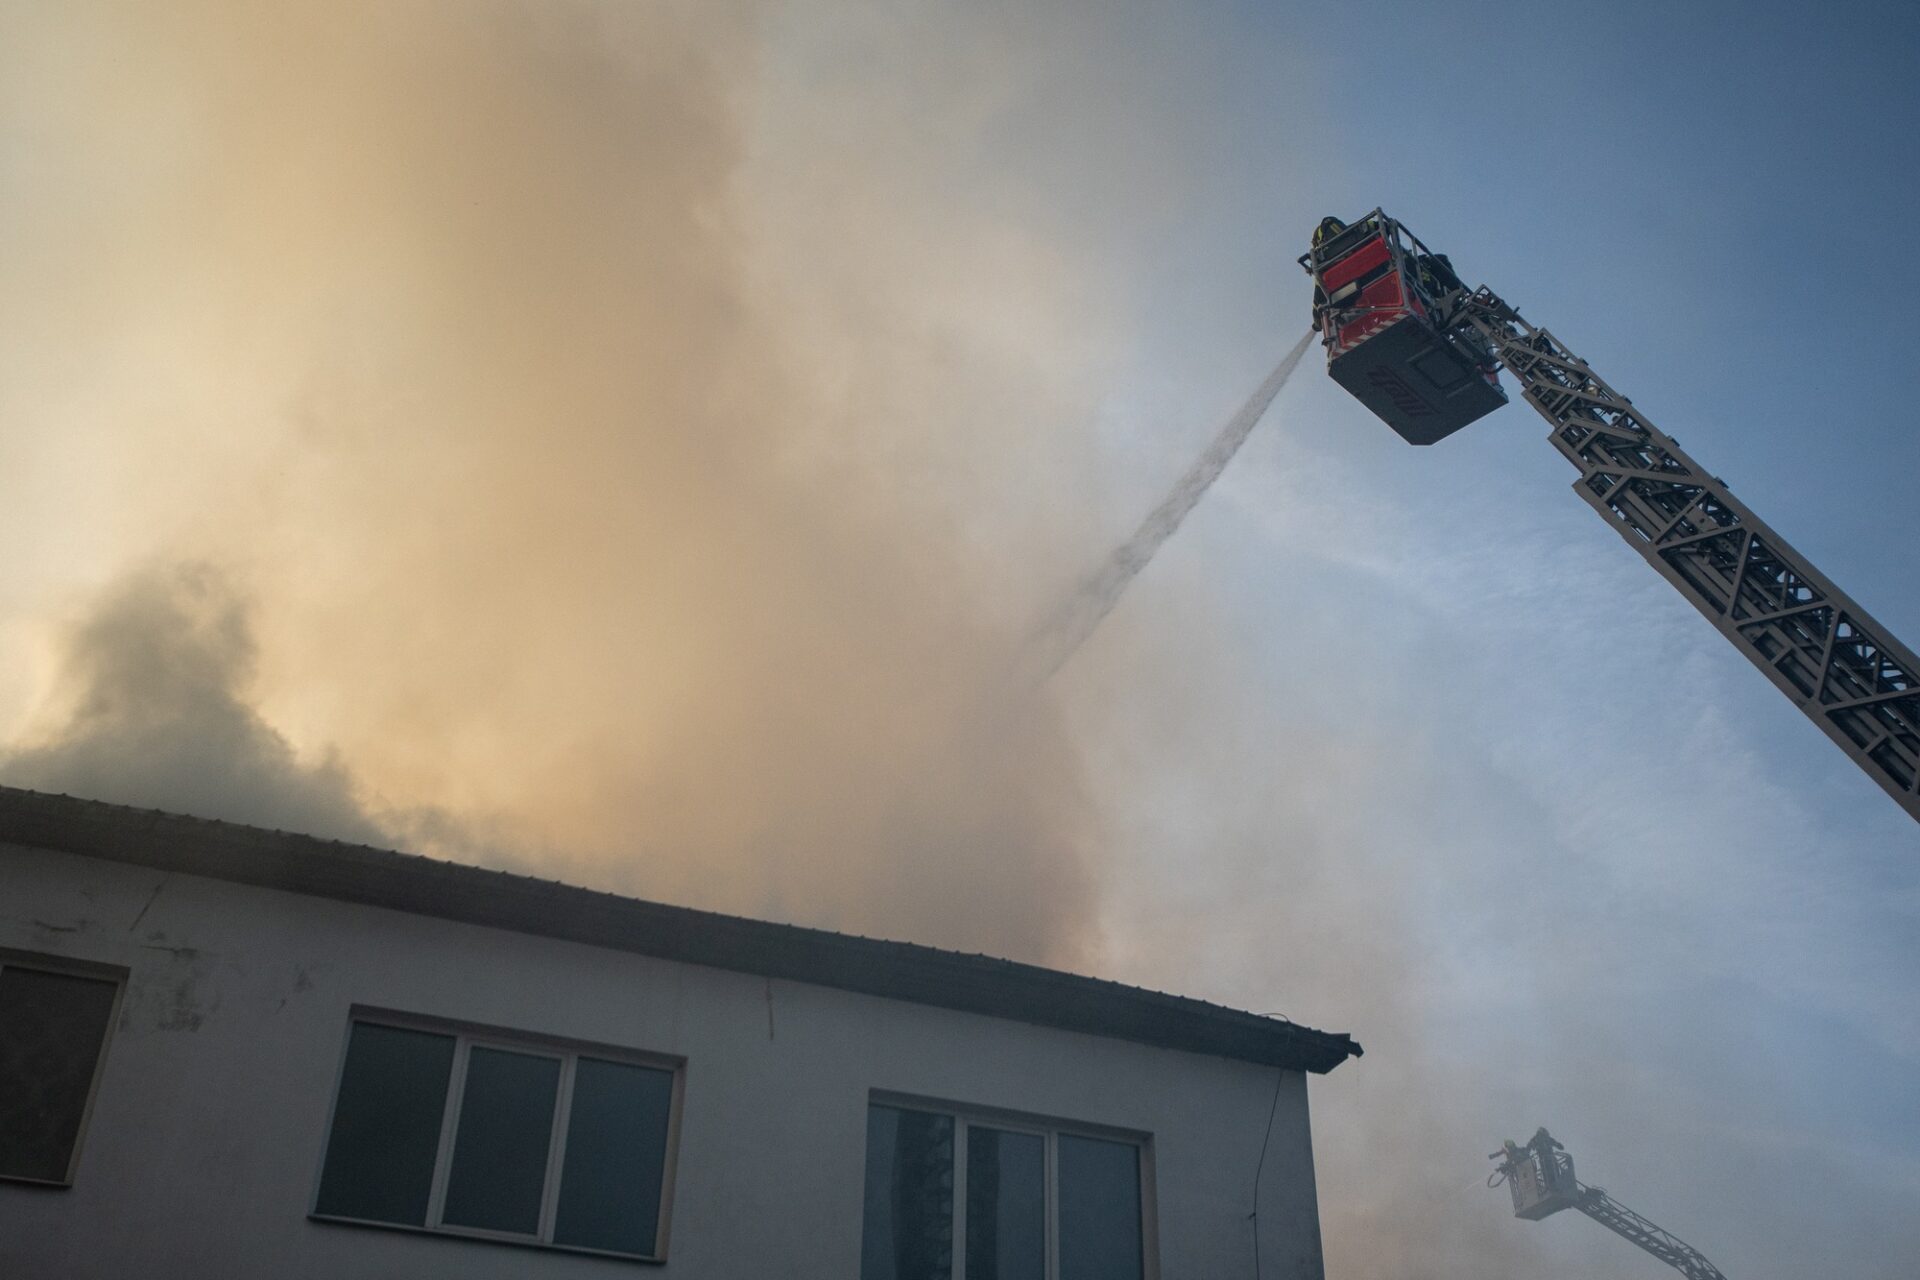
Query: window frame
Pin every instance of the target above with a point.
(467, 1036)
(73, 967)
(1050, 1130)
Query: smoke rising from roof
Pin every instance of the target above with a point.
(153, 710)
(534, 498)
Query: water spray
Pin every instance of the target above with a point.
(1061, 633)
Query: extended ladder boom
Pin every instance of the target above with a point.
(1662, 1244)
(1844, 670)
(1410, 341)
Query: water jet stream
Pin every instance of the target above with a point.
(1061, 633)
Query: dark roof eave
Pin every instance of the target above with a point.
(523, 904)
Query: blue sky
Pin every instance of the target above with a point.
(1664, 908)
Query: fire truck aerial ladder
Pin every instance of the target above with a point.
(1423, 352)
(1540, 1175)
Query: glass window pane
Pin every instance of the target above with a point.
(501, 1141)
(386, 1125)
(52, 1028)
(908, 1223)
(616, 1157)
(1006, 1205)
(1099, 1209)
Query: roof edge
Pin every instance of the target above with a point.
(456, 891)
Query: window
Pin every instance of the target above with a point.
(951, 1196)
(54, 1019)
(474, 1132)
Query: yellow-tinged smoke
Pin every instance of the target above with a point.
(449, 389)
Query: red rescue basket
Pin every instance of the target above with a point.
(1381, 302)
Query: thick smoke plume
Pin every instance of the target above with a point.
(153, 709)
(556, 491)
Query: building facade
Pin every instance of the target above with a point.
(234, 1052)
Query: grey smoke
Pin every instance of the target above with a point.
(156, 712)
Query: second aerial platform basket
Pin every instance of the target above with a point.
(1382, 302)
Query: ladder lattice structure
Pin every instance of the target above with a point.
(1658, 1241)
(1844, 670)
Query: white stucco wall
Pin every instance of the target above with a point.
(206, 1137)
